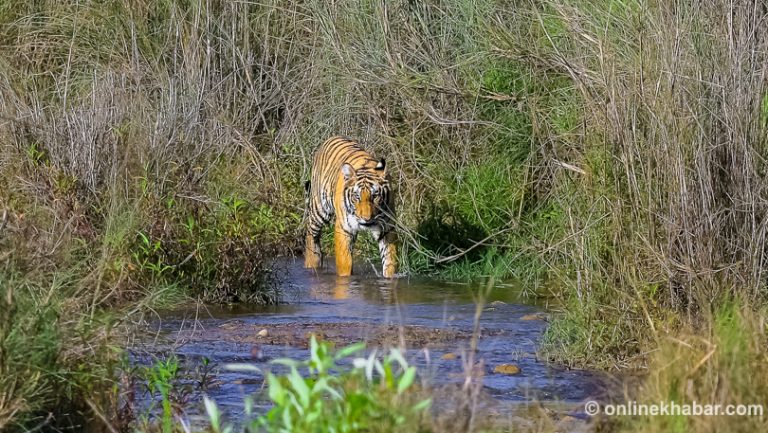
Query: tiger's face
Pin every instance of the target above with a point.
(366, 193)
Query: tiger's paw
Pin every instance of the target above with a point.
(311, 261)
(389, 272)
(343, 271)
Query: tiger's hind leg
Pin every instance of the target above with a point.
(343, 243)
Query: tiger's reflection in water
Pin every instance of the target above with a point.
(330, 287)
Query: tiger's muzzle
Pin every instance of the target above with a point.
(367, 223)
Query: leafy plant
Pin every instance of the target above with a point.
(358, 399)
(160, 382)
(36, 154)
(374, 393)
(219, 251)
(148, 255)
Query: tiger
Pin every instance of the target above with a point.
(352, 187)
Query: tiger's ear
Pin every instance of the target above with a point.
(348, 171)
(381, 165)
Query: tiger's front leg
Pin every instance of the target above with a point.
(388, 251)
(343, 243)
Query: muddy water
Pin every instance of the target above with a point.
(433, 319)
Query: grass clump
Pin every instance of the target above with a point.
(218, 250)
(723, 365)
(29, 344)
(56, 362)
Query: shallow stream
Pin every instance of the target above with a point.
(434, 319)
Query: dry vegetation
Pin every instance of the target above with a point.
(611, 153)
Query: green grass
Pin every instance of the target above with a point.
(52, 353)
(28, 345)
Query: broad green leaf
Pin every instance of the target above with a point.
(349, 350)
(214, 416)
(313, 352)
(287, 421)
(242, 367)
(322, 385)
(359, 363)
(311, 417)
(387, 375)
(424, 404)
(248, 406)
(276, 390)
(406, 379)
(300, 386)
(295, 404)
(288, 362)
(369, 366)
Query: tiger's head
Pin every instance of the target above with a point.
(366, 193)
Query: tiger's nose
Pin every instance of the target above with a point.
(364, 213)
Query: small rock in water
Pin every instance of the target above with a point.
(534, 316)
(448, 356)
(495, 303)
(509, 369)
(263, 333)
(257, 354)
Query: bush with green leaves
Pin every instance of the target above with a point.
(219, 250)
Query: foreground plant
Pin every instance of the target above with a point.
(373, 394)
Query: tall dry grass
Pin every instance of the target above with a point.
(663, 183)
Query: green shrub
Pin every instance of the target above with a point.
(219, 249)
(372, 395)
